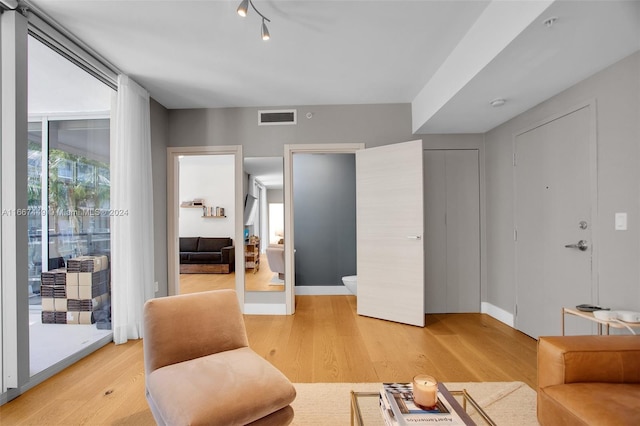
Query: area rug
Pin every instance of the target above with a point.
(507, 403)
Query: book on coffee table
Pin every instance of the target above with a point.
(398, 408)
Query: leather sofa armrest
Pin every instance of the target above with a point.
(228, 255)
(573, 359)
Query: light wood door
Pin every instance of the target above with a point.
(553, 173)
(389, 233)
(452, 231)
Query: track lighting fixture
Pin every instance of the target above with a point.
(243, 9)
(265, 31)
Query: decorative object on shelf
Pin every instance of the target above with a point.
(213, 212)
(195, 203)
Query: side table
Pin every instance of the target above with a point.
(589, 316)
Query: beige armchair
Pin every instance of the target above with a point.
(200, 370)
(275, 257)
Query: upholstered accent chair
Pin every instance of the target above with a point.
(275, 257)
(199, 369)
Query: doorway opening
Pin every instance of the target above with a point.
(207, 213)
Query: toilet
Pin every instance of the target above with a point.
(351, 282)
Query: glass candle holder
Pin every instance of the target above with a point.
(425, 390)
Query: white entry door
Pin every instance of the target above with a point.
(554, 171)
(389, 233)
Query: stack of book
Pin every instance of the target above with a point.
(398, 408)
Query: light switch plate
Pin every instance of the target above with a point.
(621, 221)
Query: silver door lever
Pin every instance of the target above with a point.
(414, 237)
(580, 245)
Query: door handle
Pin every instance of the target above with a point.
(580, 245)
(414, 237)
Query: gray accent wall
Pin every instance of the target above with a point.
(616, 92)
(324, 204)
(159, 143)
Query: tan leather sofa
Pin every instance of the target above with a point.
(199, 369)
(589, 380)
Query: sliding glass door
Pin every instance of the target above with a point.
(68, 189)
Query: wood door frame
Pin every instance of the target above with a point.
(173, 205)
(593, 191)
(289, 151)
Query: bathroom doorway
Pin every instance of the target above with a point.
(289, 232)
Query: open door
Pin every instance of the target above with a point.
(390, 258)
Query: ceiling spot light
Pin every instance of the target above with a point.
(243, 10)
(550, 21)
(497, 102)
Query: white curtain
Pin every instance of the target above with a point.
(132, 280)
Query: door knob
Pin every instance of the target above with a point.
(580, 245)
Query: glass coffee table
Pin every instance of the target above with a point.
(365, 408)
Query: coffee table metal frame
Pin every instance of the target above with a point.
(356, 414)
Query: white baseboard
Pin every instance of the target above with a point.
(321, 290)
(498, 313)
(265, 308)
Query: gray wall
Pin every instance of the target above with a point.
(324, 204)
(373, 125)
(159, 142)
(616, 91)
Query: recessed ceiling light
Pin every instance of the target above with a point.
(497, 102)
(550, 21)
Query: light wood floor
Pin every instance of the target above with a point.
(325, 341)
(262, 280)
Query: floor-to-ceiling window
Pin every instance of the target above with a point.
(68, 199)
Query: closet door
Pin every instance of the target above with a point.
(452, 231)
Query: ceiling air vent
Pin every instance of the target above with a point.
(277, 118)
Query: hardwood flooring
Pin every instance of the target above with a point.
(325, 341)
(258, 281)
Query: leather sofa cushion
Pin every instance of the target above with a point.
(213, 244)
(189, 244)
(235, 387)
(590, 403)
(205, 257)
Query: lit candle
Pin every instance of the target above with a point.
(425, 390)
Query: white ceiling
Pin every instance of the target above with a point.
(448, 58)
(268, 170)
